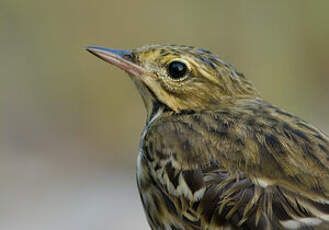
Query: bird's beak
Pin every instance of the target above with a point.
(119, 58)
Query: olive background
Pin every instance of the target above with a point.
(70, 123)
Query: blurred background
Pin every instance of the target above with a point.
(70, 123)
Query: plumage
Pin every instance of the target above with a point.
(215, 155)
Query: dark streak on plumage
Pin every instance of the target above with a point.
(194, 179)
(301, 134)
(156, 202)
(208, 62)
(323, 149)
(247, 163)
(321, 138)
(147, 154)
(169, 204)
(193, 223)
(283, 113)
(161, 155)
(275, 145)
(172, 174)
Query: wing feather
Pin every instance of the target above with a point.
(254, 166)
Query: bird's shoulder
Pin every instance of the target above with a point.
(259, 139)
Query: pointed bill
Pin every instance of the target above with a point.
(119, 58)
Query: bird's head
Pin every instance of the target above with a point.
(179, 77)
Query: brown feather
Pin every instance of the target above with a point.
(214, 155)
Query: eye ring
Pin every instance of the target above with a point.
(177, 70)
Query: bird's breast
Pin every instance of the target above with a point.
(154, 201)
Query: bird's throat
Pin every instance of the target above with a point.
(152, 104)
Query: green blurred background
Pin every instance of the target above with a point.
(70, 123)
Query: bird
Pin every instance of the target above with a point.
(214, 154)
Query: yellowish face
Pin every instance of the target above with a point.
(181, 77)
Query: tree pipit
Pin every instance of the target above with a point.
(214, 154)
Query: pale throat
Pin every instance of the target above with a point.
(151, 103)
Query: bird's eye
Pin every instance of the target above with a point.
(177, 70)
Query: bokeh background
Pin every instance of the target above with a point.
(70, 123)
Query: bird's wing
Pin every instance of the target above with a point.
(258, 172)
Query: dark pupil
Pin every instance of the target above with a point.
(177, 69)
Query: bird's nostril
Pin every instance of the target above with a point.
(128, 57)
